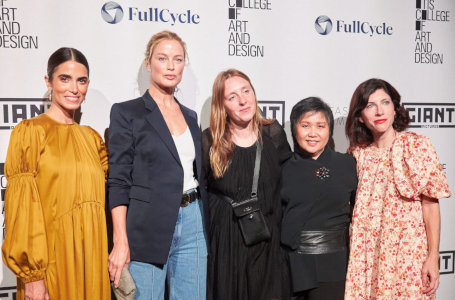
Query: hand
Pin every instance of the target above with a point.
(36, 290)
(430, 276)
(119, 256)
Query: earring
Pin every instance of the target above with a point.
(50, 96)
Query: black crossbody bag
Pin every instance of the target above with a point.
(250, 218)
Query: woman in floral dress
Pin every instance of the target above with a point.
(396, 220)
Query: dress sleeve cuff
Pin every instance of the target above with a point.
(34, 276)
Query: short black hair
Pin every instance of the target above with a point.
(62, 55)
(308, 105)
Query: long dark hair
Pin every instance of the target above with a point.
(62, 55)
(356, 131)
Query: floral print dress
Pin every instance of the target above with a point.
(388, 237)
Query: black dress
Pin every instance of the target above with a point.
(235, 271)
(312, 203)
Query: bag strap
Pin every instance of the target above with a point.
(254, 187)
(257, 167)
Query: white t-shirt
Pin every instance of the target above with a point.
(185, 148)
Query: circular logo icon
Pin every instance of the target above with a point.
(323, 25)
(112, 12)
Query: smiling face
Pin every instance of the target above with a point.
(312, 133)
(379, 113)
(166, 64)
(239, 100)
(68, 86)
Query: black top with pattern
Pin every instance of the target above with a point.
(315, 203)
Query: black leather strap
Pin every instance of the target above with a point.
(254, 187)
(323, 241)
(257, 167)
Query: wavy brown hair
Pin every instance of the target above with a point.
(222, 147)
(356, 131)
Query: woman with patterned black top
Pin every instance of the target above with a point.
(318, 190)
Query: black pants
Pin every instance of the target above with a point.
(325, 291)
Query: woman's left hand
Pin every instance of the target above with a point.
(430, 275)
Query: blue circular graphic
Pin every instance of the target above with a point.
(323, 25)
(112, 12)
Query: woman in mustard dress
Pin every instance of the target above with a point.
(56, 240)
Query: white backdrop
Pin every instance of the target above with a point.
(290, 49)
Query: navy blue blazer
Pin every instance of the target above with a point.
(146, 175)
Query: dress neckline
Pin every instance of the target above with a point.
(57, 122)
(385, 149)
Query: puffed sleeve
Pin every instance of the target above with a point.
(24, 249)
(102, 150)
(278, 136)
(356, 152)
(416, 168)
(121, 156)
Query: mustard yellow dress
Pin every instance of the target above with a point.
(54, 209)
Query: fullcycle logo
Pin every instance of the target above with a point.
(112, 12)
(323, 25)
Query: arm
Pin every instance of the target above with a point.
(120, 254)
(24, 249)
(280, 141)
(432, 220)
(36, 290)
(121, 155)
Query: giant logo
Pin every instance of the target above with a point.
(3, 181)
(112, 12)
(272, 110)
(8, 292)
(14, 110)
(431, 115)
(446, 262)
(323, 25)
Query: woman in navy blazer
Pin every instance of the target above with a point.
(155, 170)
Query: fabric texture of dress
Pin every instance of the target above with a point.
(316, 203)
(236, 271)
(54, 209)
(388, 238)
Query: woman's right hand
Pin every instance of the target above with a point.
(36, 290)
(119, 256)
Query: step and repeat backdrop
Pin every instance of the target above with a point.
(290, 50)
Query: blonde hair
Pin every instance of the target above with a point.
(158, 38)
(222, 147)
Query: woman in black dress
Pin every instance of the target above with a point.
(235, 270)
(318, 190)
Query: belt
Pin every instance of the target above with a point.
(323, 241)
(187, 198)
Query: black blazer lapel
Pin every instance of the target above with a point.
(191, 121)
(155, 118)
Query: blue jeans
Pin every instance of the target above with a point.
(186, 267)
